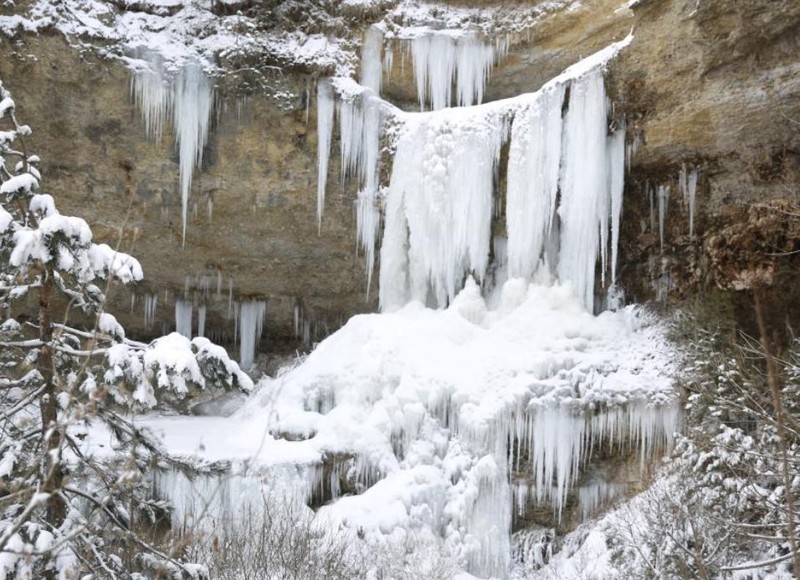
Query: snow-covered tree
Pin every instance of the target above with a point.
(725, 504)
(69, 375)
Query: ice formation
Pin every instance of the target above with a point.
(371, 61)
(439, 204)
(183, 317)
(453, 420)
(186, 98)
(687, 180)
(150, 309)
(662, 193)
(325, 111)
(444, 60)
(360, 120)
(251, 324)
(201, 320)
(564, 185)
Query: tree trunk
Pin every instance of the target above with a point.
(51, 434)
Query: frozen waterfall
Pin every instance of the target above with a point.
(564, 188)
(461, 420)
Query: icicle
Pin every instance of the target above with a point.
(687, 181)
(663, 199)
(616, 184)
(371, 64)
(150, 306)
(533, 163)
(251, 316)
(201, 320)
(183, 317)
(325, 109)
(193, 100)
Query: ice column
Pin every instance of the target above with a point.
(616, 185)
(251, 323)
(663, 201)
(201, 320)
(584, 184)
(534, 161)
(371, 61)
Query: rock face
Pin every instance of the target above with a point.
(252, 231)
(711, 86)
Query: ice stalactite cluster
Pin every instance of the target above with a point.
(359, 113)
(185, 97)
(251, 324)
(557, 440)
(452, 68)
(596, 494)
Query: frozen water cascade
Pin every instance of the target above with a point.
(439, 206)
(445, 406)
(455, 421)
(533, 166)
(186, 98)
